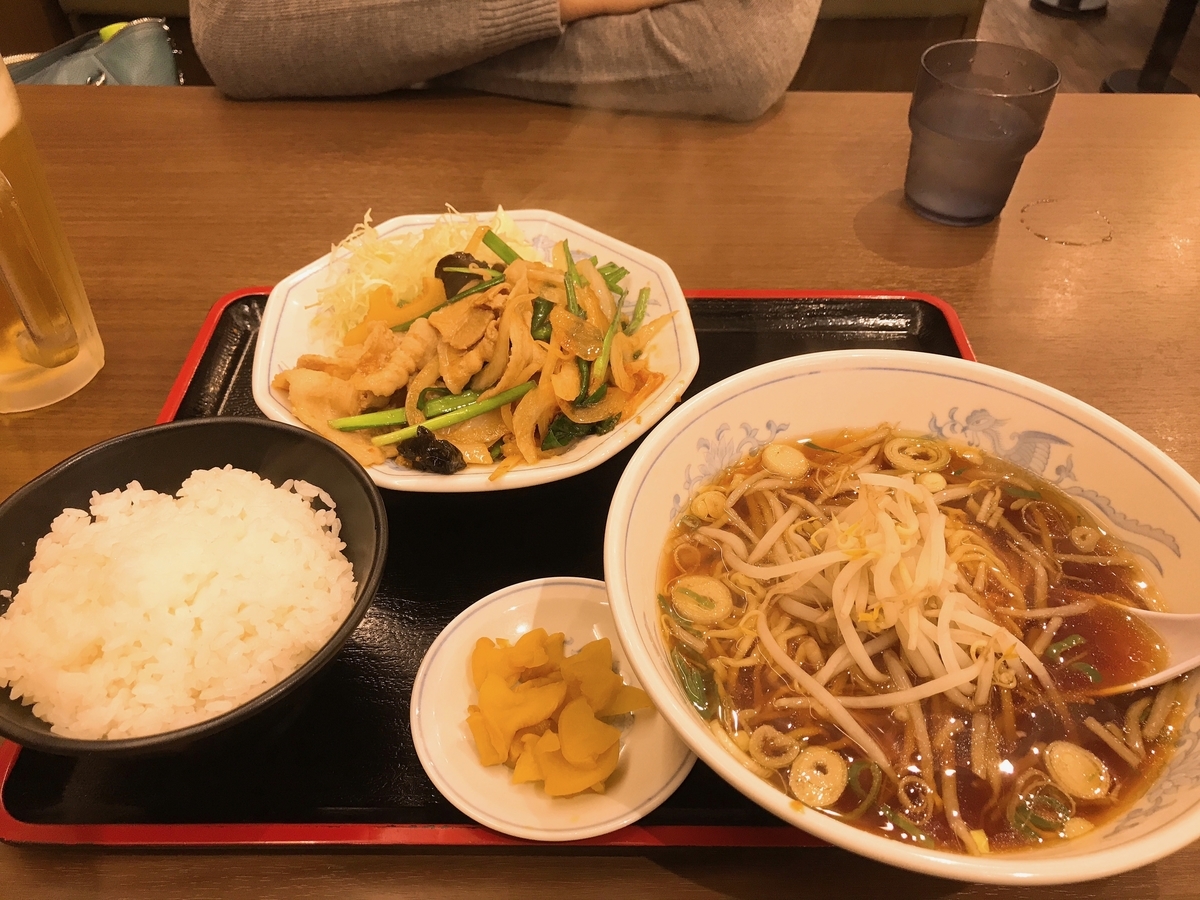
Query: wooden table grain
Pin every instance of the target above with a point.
(1089, 281)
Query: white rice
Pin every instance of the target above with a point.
(157, 612)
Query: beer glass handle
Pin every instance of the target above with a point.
(49, 338)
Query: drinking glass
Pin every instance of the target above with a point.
(978, 108)
(49, 346)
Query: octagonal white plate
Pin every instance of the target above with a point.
(654, 761)
(285, 334)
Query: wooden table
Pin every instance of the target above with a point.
(1089, 281)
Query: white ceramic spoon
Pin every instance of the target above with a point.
(1180, 633)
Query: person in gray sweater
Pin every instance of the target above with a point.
(731, 59)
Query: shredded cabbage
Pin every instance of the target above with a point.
(364, 261)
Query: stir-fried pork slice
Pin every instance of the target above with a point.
(457, 366)
(316, 397)
(389, 358)
(471, 329)
(463, 323)
(330, 365)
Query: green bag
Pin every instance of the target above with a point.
(138, 53)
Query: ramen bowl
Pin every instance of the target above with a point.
(1141, 496)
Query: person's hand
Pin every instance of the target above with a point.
(571, 10)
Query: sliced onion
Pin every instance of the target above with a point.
(914, 454)
(772, 748)
(818, 777)
(701, 599)
(786, 460)
(1077, 771)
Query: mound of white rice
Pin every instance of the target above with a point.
(157, 612)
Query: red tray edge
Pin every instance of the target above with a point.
(192, 361)
(13, 830)
(301, 834)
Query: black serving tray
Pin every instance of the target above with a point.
(339, 766)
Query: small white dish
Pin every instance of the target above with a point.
(653, 760)
(285, 334)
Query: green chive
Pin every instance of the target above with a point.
(539, 324)
(639, 311)
(458, 415)
(493, 242)
(601, 367)
(370, 420)
(480, 273)
(439, 406)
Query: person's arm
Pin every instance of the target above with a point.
(313, 48)
(727, 58)
(574, 10)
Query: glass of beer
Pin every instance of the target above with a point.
(49, 346)
(978, 108)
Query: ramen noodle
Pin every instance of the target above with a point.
(919, 639)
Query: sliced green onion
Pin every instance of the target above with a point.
(1045, 810)
(705, 602)
(458, 415)
(497, 451)
(493, 242)
(1013, 491)
(817, 447)
(681, 620)
(909, 827)
(687, 520)
(1092, 673)
(869, 795)
(697, 683)
(1020, 822)
(1047, 813)
(639, 311)
(1057, 649)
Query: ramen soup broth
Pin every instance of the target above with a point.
(1027, 752)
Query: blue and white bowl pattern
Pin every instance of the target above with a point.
(1148, 500)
